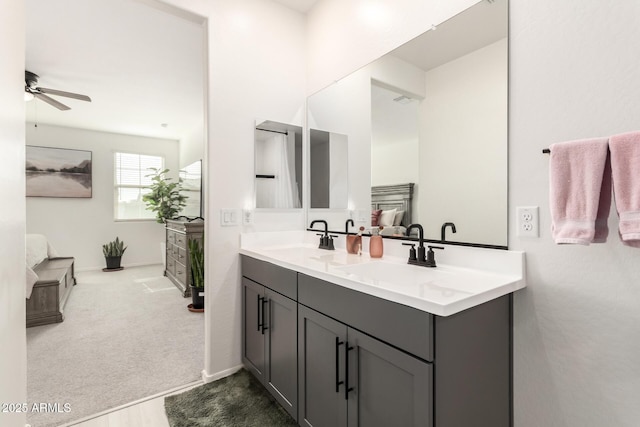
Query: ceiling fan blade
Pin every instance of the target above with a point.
(50, 101)
(63, 93)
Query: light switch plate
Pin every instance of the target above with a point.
(229, 217)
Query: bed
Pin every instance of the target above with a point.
(386, 198)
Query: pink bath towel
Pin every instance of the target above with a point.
(625, 165)
(580, 191)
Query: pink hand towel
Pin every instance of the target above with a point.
(625, 165)
(580, 191)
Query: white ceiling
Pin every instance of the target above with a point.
(478, 26)
(302, 6)
(141, 66)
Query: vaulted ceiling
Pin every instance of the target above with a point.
(141, 66)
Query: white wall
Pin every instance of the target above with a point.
(395, 141)
(13, 358)
(79, 227)
(192, 146)
(574, 74)
(463, 139)
(257, 67)
(346, 35)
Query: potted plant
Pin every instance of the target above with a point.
(165, 198)
(196, 256)
(113, 253)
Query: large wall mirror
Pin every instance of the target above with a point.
(428, 126)
(278, 165)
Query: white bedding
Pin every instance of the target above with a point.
(38, 249)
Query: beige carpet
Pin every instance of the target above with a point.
(126, 335)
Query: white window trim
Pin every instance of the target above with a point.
(116, 186)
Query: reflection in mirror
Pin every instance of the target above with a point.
(438, 124)
(278, 165)
(191, 177)
(328, 166)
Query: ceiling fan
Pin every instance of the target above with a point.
(31, 87)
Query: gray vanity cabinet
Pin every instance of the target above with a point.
(333, 356)
(270, 322)
(322, 370)
(350, 379)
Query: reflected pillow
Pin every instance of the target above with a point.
(375, 217)
(387, 218)
(398, 219)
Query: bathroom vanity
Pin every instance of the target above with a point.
(336, 347)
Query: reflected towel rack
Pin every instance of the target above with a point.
(265, 176)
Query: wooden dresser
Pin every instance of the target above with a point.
(178, 234)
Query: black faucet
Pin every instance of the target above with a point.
(422, 259)
(326, 241)
(346, 225)
(443, 229)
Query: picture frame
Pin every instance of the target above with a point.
(58, 172)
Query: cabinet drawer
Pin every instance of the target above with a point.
(171, 265)
(272, 276)
(403, 327)
(181, 273)
(180, 240)
(171, 236)
(181, 256)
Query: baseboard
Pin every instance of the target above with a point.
(209, 378)
(135, 264)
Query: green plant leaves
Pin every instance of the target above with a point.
(113, 249)
(196, 256)
(165, 198)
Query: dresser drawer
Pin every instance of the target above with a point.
(401, 326)
(181, 255)
(181, 273)
(171, 265)
(180, 240)
(279, 279)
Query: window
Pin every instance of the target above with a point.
(131, 184)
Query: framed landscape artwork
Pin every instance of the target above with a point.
(58, 172)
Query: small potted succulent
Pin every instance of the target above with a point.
(113, 254)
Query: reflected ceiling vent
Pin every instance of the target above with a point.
(402, 99)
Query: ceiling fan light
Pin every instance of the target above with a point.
(28, 96)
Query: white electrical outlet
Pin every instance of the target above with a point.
(527, 221)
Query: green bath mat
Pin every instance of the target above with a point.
(237, 400)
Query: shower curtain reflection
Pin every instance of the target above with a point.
(275, 156)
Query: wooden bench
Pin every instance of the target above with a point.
(56, 278)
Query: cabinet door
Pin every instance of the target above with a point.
(390, 388)
(321, 352)
(253, 340)
(281, 327)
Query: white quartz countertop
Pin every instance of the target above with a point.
(444, 290)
